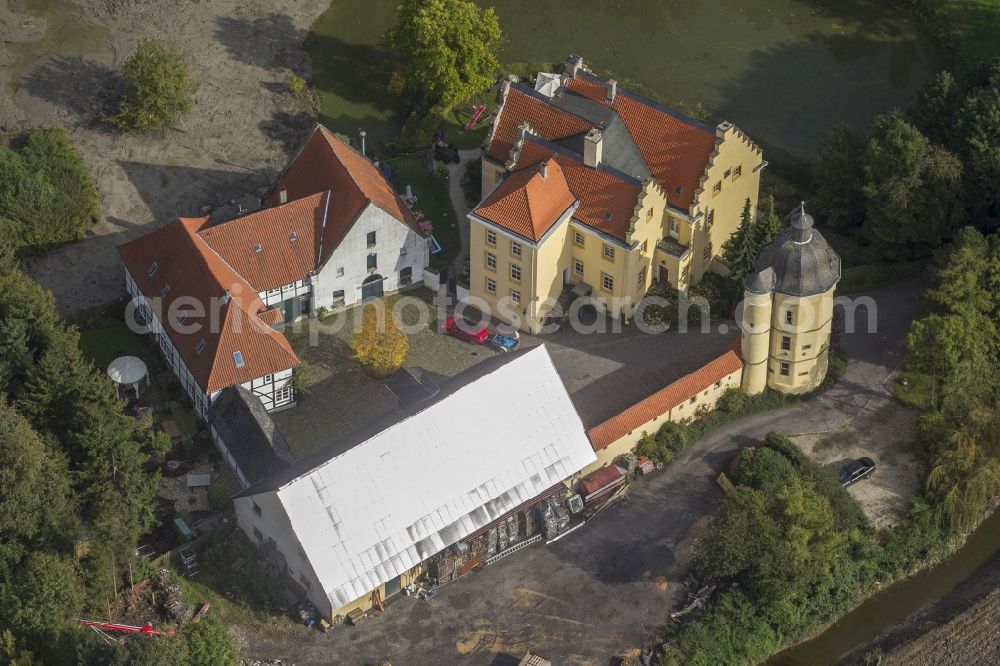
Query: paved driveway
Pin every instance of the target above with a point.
(602, 589)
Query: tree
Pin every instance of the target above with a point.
(379, 345)
(450, 49)
(966, 476)
(209, 644)
(839, 176)
(46, 195)
(912, 189)
(159, 88)
(35, 508)
(768, 225)
(740, 249)
(979, 127)
(669, 440)
(935, 108)
(762, 468)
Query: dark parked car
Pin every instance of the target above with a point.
(463, 330)
(447, 153)
(856, 470)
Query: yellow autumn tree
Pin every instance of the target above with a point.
(379, 345)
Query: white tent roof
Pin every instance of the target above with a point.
(126, 370)
(548, 84)
(419, 485)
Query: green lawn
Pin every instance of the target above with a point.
(972, 28)
(432, 200)
(106, 343)
(913, 388)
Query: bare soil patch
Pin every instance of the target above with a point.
(59, 65)
(887, 440)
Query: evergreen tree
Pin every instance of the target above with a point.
(209, 644)
(979, 125)
(740, 249)
(839, 177)
(768, 225)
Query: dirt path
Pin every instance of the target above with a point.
(455, 173)
(61, 67)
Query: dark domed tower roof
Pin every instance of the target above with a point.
(803, 263)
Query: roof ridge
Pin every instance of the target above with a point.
(566, 152)
(650, 102)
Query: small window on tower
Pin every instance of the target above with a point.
(784, 369)
(786, 343)
(788, 317)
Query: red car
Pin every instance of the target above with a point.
(463, 330)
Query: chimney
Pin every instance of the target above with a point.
(282, 196)
(612, 91)
(574, 64)
(592, 148)
(544, 170)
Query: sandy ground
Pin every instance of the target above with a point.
(62, 67)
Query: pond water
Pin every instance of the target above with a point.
(895, 603)
(783, 70)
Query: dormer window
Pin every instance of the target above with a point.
(238, 359)
(200, 347)
(257, 248)
(153, 267)
(293, 236)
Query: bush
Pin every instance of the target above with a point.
(732, 400)
(472, 182)
(46, 195)
(160, 443)
(159, 88)
(783, 445)
(209, 644)
(441, 171)
(296, 84)
(218, 498)
(671, 439)
(764, 469)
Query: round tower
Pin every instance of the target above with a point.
(797, 274)
(755, 324)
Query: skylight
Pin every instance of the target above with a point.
(153, 267)
(165, 290)
(181, 317)
(293, 236)
(238, 358)
(198, 348)
(257, 247)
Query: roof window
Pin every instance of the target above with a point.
(165, 290)
(238, 358)
(257, 247)
(198, 348)
(153, 267)
(293, 236)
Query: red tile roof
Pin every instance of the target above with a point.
(664, 400)
(547, 121)
(325, 163)
(191, 276)
(607, 199)
(274, 246)
(676, 148)
(527, 203)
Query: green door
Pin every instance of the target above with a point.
(371, 288)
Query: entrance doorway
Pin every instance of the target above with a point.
(371, 287)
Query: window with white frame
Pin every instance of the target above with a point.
(609, 252)
(515, 248)
(578, 267)
(491, 261)
(515, 296)
(491, 237)
(607, 282)
(578, 238)
(491, 285)
(515, 272)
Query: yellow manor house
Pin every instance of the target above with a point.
(592, 186)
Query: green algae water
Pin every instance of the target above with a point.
(897, 602)
(785, 71)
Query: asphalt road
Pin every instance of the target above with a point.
(604, 588)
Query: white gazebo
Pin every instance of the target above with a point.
(128, 372)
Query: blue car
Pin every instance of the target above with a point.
(503, 343)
